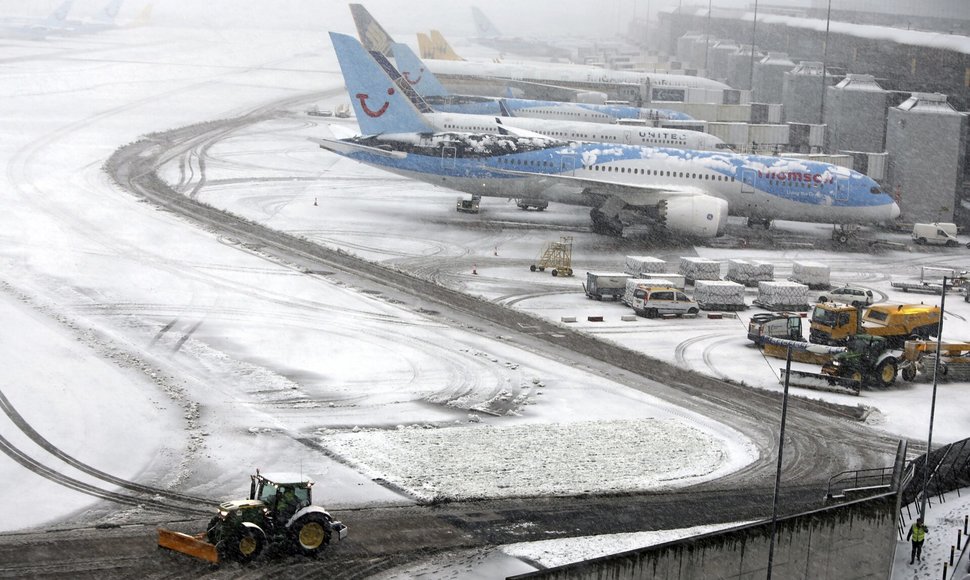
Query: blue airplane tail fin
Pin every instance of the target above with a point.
(416, 73)
(383, 101)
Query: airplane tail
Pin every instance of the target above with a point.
(372, 34)
(109, 12)
(441, 48)
(416, 73)
(59, 15)
(383, 100)
(425, 47)
(143, 17)
(483, 25)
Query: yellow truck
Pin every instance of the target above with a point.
(834, 323)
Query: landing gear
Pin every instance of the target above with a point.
(755, 221)
(602, 224)
(843, 233)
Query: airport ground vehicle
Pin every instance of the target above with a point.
(278, 512)
(468, 205)
(538, 204)
(556, 255)
(919, 356)
(834, 323)
(601, 284)
(936, 234)
(658, 301)
(867, 360)
(764, 325)
(852, 295)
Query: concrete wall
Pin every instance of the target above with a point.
(926, 145)
(854, 540)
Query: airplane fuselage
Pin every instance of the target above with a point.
(754, 186)
(578, 131)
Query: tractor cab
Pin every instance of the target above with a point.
(282, 493)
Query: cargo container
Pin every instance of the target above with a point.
(601, 284)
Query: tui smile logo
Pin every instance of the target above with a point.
(407, 77)
(362, 97)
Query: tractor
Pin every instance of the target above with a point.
(277, 513)
(867, 360)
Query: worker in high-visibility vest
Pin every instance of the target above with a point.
(917, 533)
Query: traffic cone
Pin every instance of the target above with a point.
(474, 269)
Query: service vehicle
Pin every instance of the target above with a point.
(936, 234)
(834, 323)
(919, 356)
(468, 205)
(852, 295)
(601, 284)
(865, 360)
(765, 325)
(658, 301)
(278, 512)
(537, 204)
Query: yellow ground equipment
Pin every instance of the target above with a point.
(834, 323)
(558, 256)
(919, 356)
(277, 512)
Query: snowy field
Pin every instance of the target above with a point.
(157, 351)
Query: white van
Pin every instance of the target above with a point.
(657, 301)
(937, 234)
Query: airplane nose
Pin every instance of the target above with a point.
(894, 212)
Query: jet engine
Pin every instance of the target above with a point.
(694, 215)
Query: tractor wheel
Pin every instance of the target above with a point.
(311, 533)
(532, 268)
(212, 531)
(886, 372)
(856, 376)
(245, 543)
(909, 373)
(555, 272)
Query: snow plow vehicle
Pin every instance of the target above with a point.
(835, 324)
(277, 513)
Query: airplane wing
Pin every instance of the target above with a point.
(346, 147)
(635, 195)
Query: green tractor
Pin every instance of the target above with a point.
(278, 512)
(867, 360)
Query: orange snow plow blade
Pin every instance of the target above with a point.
(195, 546)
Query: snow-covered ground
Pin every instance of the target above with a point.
(157, 351)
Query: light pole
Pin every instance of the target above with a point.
(707, 40)
(754, 28)
(825, 54)
(936, 374)
(781, 448)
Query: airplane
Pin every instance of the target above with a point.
(489, 35)
(542, 80)
(34, 29)
(365, 73)
(430, 88)
(103, 20)
(672, 191)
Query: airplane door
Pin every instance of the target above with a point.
(567, 164)
(841, 189)
(747, 180)
(448, 155)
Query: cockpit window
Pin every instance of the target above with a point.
(875, 190)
